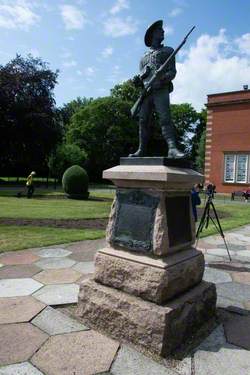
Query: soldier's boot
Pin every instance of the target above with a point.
(168, 135)
(143, 140)
(173, 152)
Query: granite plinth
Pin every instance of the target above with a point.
(153, 176)
(159, 329)
(152, 279)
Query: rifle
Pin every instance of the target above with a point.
(147, 88)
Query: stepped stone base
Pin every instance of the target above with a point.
(152, 279)
(160, 329)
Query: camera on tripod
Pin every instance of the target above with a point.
(210, 190)
(206, 216)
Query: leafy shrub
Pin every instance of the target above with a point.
(75, 182)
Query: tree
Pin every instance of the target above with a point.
(127, 91)
(200, 157)
(105, 130)
(69, 109)
(63, 157)
(28, 117)
(198, 131)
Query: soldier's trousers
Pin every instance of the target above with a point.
(158, 100)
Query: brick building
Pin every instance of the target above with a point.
(227, 158)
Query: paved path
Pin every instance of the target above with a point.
(38, 338)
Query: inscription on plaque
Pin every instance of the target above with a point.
(179, 220)
(134, 220)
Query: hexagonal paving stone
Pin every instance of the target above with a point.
(229, 304)
(19, 271)
(85, 267)
(131, 362)
(244, 253)
(216, 276)
(220, 252)
(216, 357)
(84, 277)
(19, 309)
(235, 291)
(54, 322)
(55, 263)
(20, 258)
(75, 352)
(54, 253)
(60, 294)
(18, 287)
(241, 277)
(232, 246)
(24, 368)
(88, 245)
(237, 238)
(61, 276)
(19, 341)
(237, 331)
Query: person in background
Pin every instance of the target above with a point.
(195, 199)
(30, 185)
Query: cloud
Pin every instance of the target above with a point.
(208, 67)
(175, 12)
(107, 52)
(116, 26)
(17, 14)
(69, 64)
(243, 43)
(119, 5)
(73, 18)
(89, 73)
(116, 76)
(168, 30)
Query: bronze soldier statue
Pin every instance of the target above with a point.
(160, 89)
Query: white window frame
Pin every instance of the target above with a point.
(237, 169)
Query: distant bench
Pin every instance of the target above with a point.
(245, 194)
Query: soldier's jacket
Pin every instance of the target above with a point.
(151, 61)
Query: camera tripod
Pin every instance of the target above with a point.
(206, 216)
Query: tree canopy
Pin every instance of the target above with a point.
(105, 130)
(28, 117)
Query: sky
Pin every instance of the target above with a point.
(96, 44)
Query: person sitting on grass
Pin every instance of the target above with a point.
(30, 185)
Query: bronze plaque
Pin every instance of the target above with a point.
(134, 220)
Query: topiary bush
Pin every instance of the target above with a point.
(75, 182)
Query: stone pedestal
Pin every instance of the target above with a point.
(147, 286)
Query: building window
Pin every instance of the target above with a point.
(241, 175)
(229, 168)
(236, 167)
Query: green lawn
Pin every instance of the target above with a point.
(238, 214)
(40, 208)
(57, 207)
(23, 237)
(20, 237)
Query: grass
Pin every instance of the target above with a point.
(21, 237)
(237, 214)
(39, 208)
(53, 205)
(18, 238)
